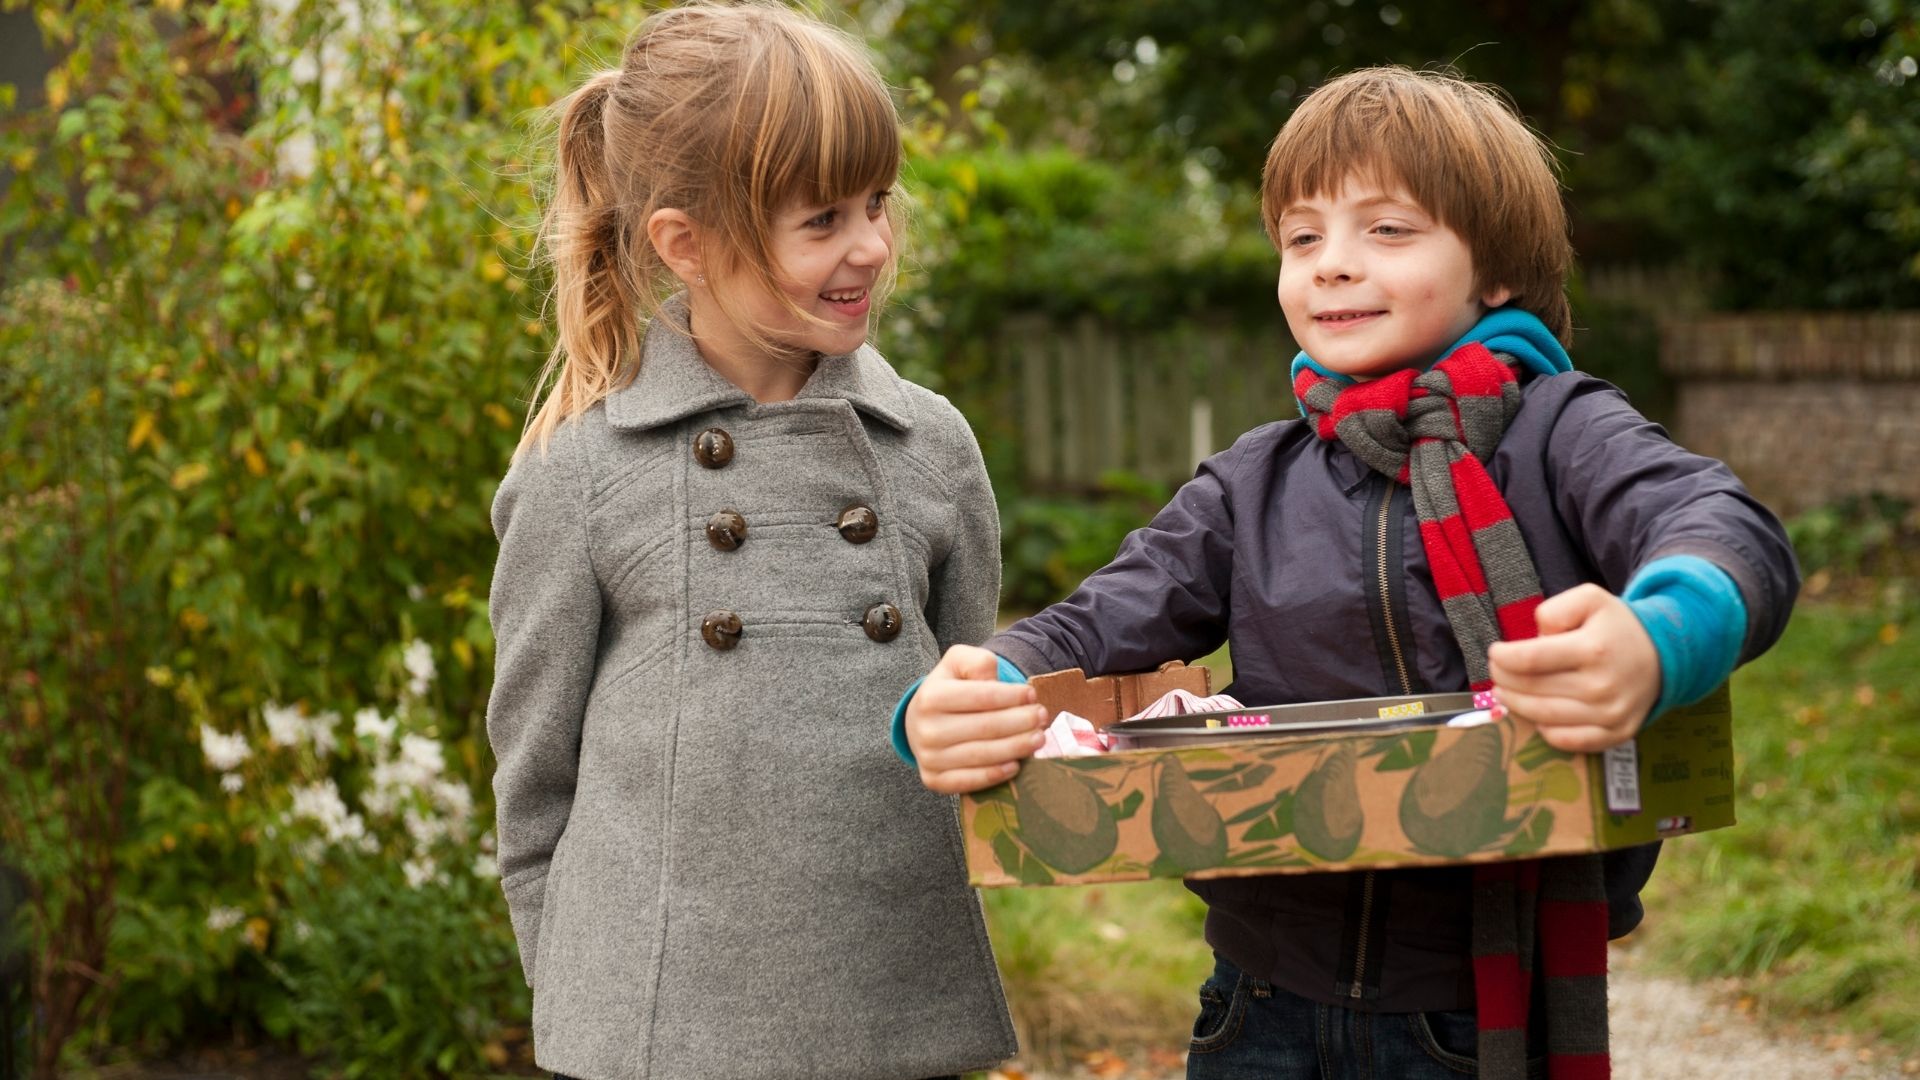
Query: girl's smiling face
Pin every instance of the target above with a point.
(1372, 283)
(827, 260)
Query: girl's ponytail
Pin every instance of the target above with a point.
(588, 234)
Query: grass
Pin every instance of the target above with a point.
(1811, 900)
(1099, 967)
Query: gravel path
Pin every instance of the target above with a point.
(1663, 1029)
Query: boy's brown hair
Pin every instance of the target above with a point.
(1459, 150)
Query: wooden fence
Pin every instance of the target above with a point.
(1090, 399)
(1806, 408)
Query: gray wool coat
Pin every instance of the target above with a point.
(715, 865)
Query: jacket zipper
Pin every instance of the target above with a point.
(1406, 687)
(1393, 634)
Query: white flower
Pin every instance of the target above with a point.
(368, 723)
(320, 728)
(232, 782)
(454, 798)
(381, 798)
(224, 752)
(322, 803)
(419, 871)
(418, 659)
(424, 828)
(485, 866)
(284, 724)
(421, 759)
(223, 918)
(486, 842)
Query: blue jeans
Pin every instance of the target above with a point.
(1249, 1029)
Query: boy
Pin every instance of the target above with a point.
(1592, 574)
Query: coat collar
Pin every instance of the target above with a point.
(674, 382)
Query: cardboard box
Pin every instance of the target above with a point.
(1306, 803)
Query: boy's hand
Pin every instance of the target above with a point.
(1590, 678)
(967, 729)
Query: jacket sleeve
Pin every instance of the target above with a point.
(1165, 596)
(545, 608)
(1630, 495)
(964, 592)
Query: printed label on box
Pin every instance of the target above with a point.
(1622, 771)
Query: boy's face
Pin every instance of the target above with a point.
(1371, 283)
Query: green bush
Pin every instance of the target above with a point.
(336, 891)
(1051, 543)
(1874, 534)
(253, 414)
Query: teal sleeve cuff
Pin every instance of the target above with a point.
(1694, 613)
(1007, 672)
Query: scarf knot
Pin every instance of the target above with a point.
(1468, 398)
(1433, 431)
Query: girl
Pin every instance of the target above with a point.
(727, 540)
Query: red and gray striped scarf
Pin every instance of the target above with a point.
(1432, 431)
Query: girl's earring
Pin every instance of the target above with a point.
(699, 279)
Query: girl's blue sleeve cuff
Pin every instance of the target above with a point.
(1695, 615)
(1008, 673)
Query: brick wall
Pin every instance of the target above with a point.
(1806, 408)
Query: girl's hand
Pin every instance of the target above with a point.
(967, 729)
(1591, 677)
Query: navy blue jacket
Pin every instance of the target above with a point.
(1311, 566)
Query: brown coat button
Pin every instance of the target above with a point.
(882, 622)
(721, 629)
(726, 530)
(857, 524)
(713, 448)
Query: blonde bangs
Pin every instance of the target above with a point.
(814, 125)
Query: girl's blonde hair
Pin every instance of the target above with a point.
(730, 113)
(1459, 150)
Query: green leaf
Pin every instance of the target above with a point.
(1405, 752)
(1127, 806)
(1252, 778)
(1533, 837)
(72, 123)
(1007, 853)
(1277, 823)
(1535, 753)
(1034, 872)
(1259, 809)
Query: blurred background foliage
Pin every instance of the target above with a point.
(270, 315)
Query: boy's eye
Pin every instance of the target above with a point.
(1385, 229)
(1302, 239)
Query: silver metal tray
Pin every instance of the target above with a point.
(1353, 716)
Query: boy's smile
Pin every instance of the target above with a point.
(1371, 283)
